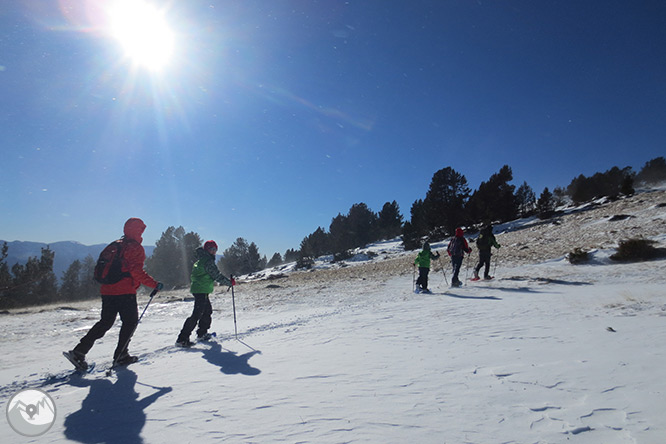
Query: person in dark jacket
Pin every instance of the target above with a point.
(484, 243)
(457, 248)
(203, 277)
(120, 298)
(423, 262)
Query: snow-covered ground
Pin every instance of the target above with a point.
(546, 353)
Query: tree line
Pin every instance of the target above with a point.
(448, 203)
(35, 283)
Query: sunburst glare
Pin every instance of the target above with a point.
(143, 32)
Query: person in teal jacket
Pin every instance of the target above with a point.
(203, 277)
(423, 262)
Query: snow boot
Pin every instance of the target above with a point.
(476, 276)
(77, 359)
(184, 343)
(125, 359)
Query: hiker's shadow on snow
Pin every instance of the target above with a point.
(112, 412)
(465, 296)
(517, 289)
(231, 363)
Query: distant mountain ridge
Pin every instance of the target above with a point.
(66, 252)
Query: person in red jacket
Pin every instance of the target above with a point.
(120, 298)
(457, 249)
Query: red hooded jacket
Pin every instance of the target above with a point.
(133, 257)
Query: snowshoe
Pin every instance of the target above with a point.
(184, 344)
(78, 360)
(426, 291)
(456, 284)
(487, 278)
(475, 278)
(417, 290)
(124, 359)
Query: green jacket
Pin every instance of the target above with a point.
(205, 273)
(423, 258)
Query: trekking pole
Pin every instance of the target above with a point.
(413, 278)
(120, 353)
(466, 269)
(444, 273)
(233, 303)
(495, 267)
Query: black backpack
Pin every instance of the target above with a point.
(456, 246)
(108, 269)
(482, 241)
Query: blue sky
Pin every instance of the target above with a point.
(271, 117)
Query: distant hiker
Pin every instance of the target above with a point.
(457, 249)
(423, 262)
(203, 277)
(120, 298)
(484, 243)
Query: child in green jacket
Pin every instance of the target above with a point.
(203, 277)
(423, 262)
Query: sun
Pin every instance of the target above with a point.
(143, 33)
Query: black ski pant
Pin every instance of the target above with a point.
(484, 259)
(422, 280)
(112, 306)
(456, 261)
(201, 314)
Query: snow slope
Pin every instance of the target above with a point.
(545, 353)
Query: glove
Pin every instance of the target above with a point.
(226, 282)
(159, 287)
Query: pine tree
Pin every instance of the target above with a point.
(314, 245)
(173, 257)
(255, 261)
(89, 286)
(411, 239)
(545, 204)
(275, 261)
(290, 255)
(5, 275)
(70, 288)
(525, 199)
(241, 258)
(47, 282)
(418, 224)
(340, 241)
(627, 187)
(653, 172)
(444, 204)
(362, 225)
(31, 284)
(494, 200)
(389, 221)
